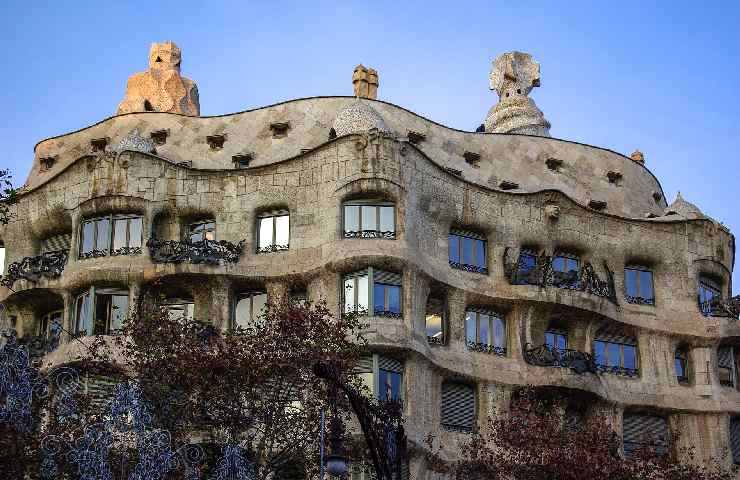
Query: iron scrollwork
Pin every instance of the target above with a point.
(486, 348)
(273, 249)
(618, 370)
(48, 265)
(93, 254)
(537, 270)
(722, 308)
(639, 300)
(126, 251)
(469, 268)
(387, 313)
(211, 252)
(390, 235)
(549, 356)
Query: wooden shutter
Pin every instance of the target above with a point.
(57, 243)
(458, 407)
(642, 430)
(725, 357)
(735, 439)
(390, 364)
(389, 278)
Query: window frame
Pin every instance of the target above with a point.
(272, 246)
(441, 338)
(370, 273)
(639, 299)
(46, 320)
(244, 295)
(184, 301)
(556, 333)
(489, 346)
(732, 368)
(111, 218)
(619, 369)
(459, 428)
(194, 224)
(361, 232)
(681, 356)
(376, 368)
(478, 267)
(707, 284)
(93, 293)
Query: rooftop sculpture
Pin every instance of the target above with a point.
(513, 75)
(161, 88)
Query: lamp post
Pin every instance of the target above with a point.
(381, 425)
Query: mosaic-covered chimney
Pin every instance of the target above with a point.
(365, 82)
(161, 88)
(513, 76)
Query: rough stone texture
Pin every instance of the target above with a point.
(365, 82)
(358, 117)
(513, 75)
(161, 88)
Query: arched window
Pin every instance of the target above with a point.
(368, 218)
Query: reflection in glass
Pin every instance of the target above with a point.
(390, 385)
(387, 223)
(454, 248)
(103, 234)
(471, 327)
(351, 218)
(369, 217)
(119, 233)
(88, 237)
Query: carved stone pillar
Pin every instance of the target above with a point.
(456, 318)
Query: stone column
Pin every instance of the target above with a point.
(704, 373)
(415, 293)
(456, 303)
(68, 316)
(221, 301)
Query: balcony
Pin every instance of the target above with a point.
(49, 265)
(486, 348)
(618, 370)
(210, 252)
(390, 235)
(538, 271)
(549, 356)
(721, 308)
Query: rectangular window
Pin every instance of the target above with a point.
(100, 311)
(726, 366)
(616, 353)
(250, 307)
(383, 376)
(638, 285)
(373, 287)
(2, 259)
(110, 235)
(681, 365)
(369, 219)
(566, 270)
(202, 230)
(467, 251)
(274, 232)
(179, 308)
(526, 265)
(735, 439)
(83, 314)
(485, 331)
(47, 321)
(458, 409)
(709, 295)
(556, 339)
(434, 321)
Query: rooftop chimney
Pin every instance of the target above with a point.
(365, 81)
(638, 157)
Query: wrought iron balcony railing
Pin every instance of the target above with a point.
(541, 273)
(49, 265)
(469, 268)
(549, 356)
(486, 348)
(210, 252)
(387, 313)
(436, 340)
(390, 234)
(273, 248)
(617, 370)
(639, 300)
(718, 307)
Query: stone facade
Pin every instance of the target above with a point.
(419, 168)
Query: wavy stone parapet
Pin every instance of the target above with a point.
(580, 171)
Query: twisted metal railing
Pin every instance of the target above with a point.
(486, 348)
(49, 265)
(618, 370)
(469, 268)
(549, 356)
(211, 252)
(273, 248)
(370, 234)
(718, 307)
(520, 272)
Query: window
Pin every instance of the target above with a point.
(709, 295)
(616, 353)
(111, 235)
(681, 362)
(435, 324)
(458, 407)
(2, 258)
(202, 230)
(485, 331)
(383, 376)
(47, 321)
(644, 433)
(566, 270)
(369, 219)
(726, 366)
(100, 311)
(467, 251)
(179, 308)
(373, 287)
(274, 231)
(249, 308)
(526, 265)
(735, 439)
(556, 339)
(638, 285)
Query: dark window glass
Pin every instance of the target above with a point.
(709, 294)
(88, 237)
(390, 385)
(681, 364)
(455, 248)
(638, 285)
(556, 339)
(616, 355)
(467, 251)
(387, 298)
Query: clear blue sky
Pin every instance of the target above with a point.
(661, 77)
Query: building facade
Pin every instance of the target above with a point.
(485, 260)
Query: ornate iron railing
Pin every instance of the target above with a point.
(469, 268)
(93, 254)
(616, 370)
(387, 313)
(542, 274)
(210, 252)
(390, 235)
(273, 248)
(126, 251)
(48, 265)
(40, 345)
(721, 308)
(435, 341)
(640, 300)
(549, 356)
(486, 348)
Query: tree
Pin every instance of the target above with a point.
(7, 195)
(534, 442)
